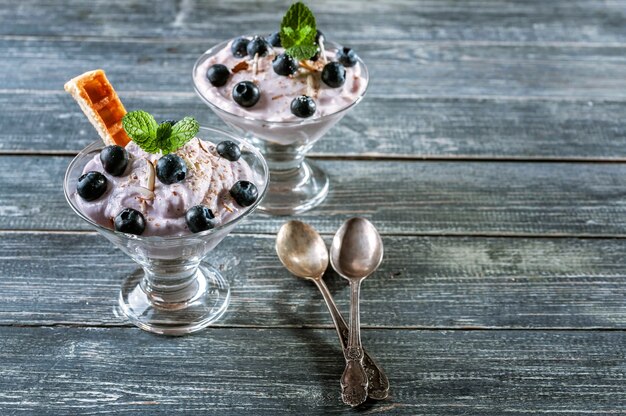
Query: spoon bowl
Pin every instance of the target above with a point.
(357, 249)
(302, 250)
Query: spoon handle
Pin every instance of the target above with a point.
(378, 386)
(354, 379)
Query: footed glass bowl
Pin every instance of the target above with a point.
(174, 292)
(296, 183)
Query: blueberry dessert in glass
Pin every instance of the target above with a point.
(283, 91)
(166, 194)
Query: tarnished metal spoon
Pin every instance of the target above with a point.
(303, 252)
(356, 252)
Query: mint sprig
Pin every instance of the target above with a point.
(297, 32)
(151, 137)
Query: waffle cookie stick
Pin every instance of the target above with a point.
(100, 103)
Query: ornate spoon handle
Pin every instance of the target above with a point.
(378, 387)
(354, 379)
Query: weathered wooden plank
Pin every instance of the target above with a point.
(480, 20)
(431, 282)
(403, 127)
(402, 68)
(402, 197)
(282, 371)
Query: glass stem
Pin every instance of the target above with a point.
(171, 283)
(282, 159)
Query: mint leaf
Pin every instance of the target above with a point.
(141, 127)
(163, 137)
(183, 131)
(297, 32)
(302, 50)
(151, 137)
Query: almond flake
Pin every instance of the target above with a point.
(322, 50)
(202, 146)
(151, 175)
(255, 64)
(311, 91)
(306, 65)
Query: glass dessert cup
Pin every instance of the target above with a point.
(174, 292)
(296, 183)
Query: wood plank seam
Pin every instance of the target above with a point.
(391, 96)
(261, 234)
(330, 327)
(211, 41)
(388, 157)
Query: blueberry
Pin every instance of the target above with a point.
(258, 45)
(130, 221)
(244, 193)
(319, 35)
(218, 75)
(274, 40)
(91, 185)
(303, 106)
(347, 57)
(284, 64)
(199, 218)
(239, 47)
(246, 94)
(228, 150)
(172, 122)
(114, 159)
(171, 168)
(334, 74)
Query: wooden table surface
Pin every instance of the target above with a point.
(490, 152)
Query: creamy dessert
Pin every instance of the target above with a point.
(277, 79)
(208, 182)
(276, 92)
(156, 179)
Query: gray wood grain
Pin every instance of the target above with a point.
(52, 371)
(428, 282)
(423, 20)
(466, 198)
(463, 322)
(378, 127)
(404, 68)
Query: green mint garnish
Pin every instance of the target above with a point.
(297, 32)
(183, 131)
(143, 129)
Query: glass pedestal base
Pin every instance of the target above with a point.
(295, 191)
(187, 308)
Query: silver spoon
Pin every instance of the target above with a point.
(356, 252)
(303, 252)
